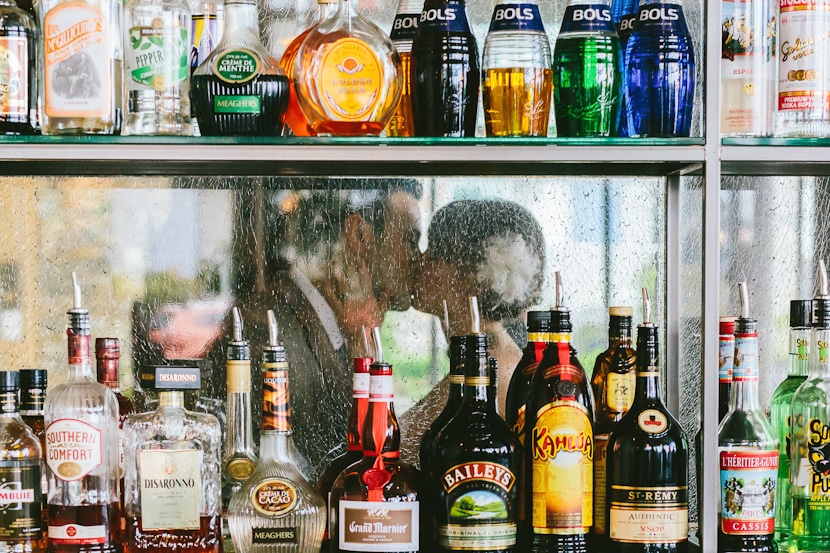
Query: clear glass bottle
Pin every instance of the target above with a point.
(801, 319)
(81, 417)
(747, 452)
(172, 480)
(748, 67)
(207, 21)
(348, 49)
(294, 116)
(402, 34)
(239, 454)
(157, 72)
(516, 71)
(79, 81)
(613, 382)
(277, 509)
(21, 520)
(240, 89)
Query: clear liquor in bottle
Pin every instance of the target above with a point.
(107, 355)
(240, 88)
(402, 34)
(81, 417)
(354, 437)
(803, 80)
(648, 463)
(32, 397)
(801, 319)
(294, 116)
(78, 81)
(18, 73)
(277, 509)
(21, 515)
(379, 482)
(748, 67)
(477, 461)
(348, 46)
(173, 494)
(239, 454)
(516, 69)
(559, 445)
(587, 70)
(726, 362)
(157, 72)
(747, 452)
(613, 382)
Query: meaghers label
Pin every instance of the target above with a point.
(478, 514)
(73, 448)
(77, 73)
(351, 79)
(274, 497)
(378, 526)
(649, 514)
(562, 469)
(20, 501)
(171, 489)
(747, 479)
(14, 76)
(274, 536)
(237, 66)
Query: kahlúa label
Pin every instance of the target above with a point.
(171, 489)
(73, 448)
(387, 527)
(747, 481)
(649, 514)
(20, 500)
(516, 17)
(350, 80)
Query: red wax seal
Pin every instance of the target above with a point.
(71, 531)
(376, 478)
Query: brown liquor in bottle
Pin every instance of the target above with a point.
(402, 34)
(107, 518)
(354, 436)
(32, 395)
(180, 541)
(613, 383)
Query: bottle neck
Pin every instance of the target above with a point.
(477, 396)
(276, 410)
(239, 435)
(171, 398)
(9, 405)
(31, 401)
(241, 18)
(381, 436)
(108, 374)
(357, 413)
(648, 367)
(80, 364)
(819, 362)
(456, 377)
(619, 331)
(744, 394)
(327, 10)
(799, 351)
(277, 445)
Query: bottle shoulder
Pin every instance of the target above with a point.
(470, 430)
(404, 483)
(79, 398)
(173, 428)
(746, 429)
(274, 478)
(785, 391)
(17, 441)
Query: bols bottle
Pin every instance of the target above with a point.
(402, 35)
(624, 15)
(660, 76)
(445, 71)
(587, 64)
(516, 68)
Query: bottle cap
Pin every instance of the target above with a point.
(33, 378)
(274, 352)
(362, 364)
(727, 325)
(107, 348)
(621, 311)
(9, 381)
(476, 355)
(238, 347)
(821, 313)
(801, 313)
(538, 321)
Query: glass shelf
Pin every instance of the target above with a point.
(775, 156)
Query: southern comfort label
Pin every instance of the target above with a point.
(563, 466)
(747, 480)
(378, 526)
(73, 448)
(170, 484)
(477, 496)
(649, 514)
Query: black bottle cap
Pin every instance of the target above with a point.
(458, 347)
(821, 312)
(560, 320)
(79, 321)
(801, 313)
(538, 321)
(647, 337)
(475, 358)
(273, 354)
(9, 381)
(746, 326)
(33, 378)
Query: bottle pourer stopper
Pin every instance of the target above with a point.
(446, 319)
(76, 291)
(559, 292)
(273, 329)
(822, 280)
(646, 308)
(378, 345)
(743, 291)
(475, 319)
(237, 325)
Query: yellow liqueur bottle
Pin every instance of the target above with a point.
(348, 75)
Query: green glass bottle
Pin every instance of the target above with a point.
(801, 318)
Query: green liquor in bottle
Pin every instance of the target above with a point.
(801, 318)
(747, 452)
(810, 447)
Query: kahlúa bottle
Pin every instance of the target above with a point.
(240, 89)
(587, 64)
(445, 71)
(348, 75)
(402, 34)
(516, 68)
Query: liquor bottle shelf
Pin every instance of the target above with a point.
(237, 156)
(775, 156)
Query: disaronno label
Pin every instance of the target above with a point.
(378, 526)
(649, 514)
(14, 76)
(77, 73)
(170, 484)
(350, 80)
(237, 104)
(73, 448)
(274, 497)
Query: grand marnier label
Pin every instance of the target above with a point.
(73, 448)
(379, 526)
(171, 486)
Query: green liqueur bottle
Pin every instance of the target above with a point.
(747, 452)
(810, 446)
(648, 463)
(477, 459)
(801, 318)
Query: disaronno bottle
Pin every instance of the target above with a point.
(348, 75)
(171, 471)
(81, 418)
(79, 71)
(276, 510)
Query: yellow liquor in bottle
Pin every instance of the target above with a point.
(517, 101)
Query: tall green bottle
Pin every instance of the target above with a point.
(801, 319)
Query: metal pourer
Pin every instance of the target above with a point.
(646, 309)
(238, 348)
(76, 292)
(559, 291)
(274, 352)
(78, 316)
(743, 291)
(823, 292)
(560, 316)
(378, 345)
(821, 303)
(237, 325)
(273, 329)
(475, 318)
(446, 319)
(745, 324)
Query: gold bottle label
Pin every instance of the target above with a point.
(378, 526)
(274, 497)
(600, 475)
(351, 79)
(619, 391)
(240, 469)
(171, 486)
(649, 514)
